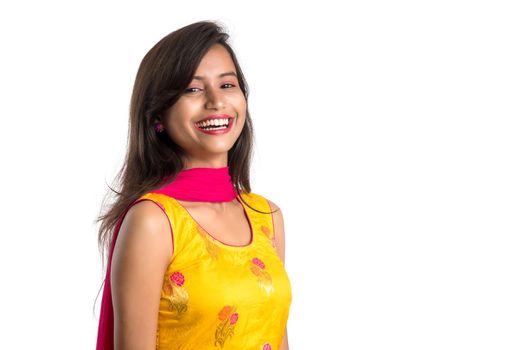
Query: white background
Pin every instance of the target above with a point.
(389, 132)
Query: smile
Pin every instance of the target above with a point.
(215, 126)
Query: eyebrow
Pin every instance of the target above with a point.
(220, 75)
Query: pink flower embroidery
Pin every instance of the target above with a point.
(177, 278)
(263, 276)
(266, 346)
(234, 318)
(259, 263)
(175, 292)
(228, 318)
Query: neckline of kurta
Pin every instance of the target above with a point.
(196, 226)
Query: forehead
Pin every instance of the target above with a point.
(216, 61)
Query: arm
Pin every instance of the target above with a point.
(141, 256)
(278, 221)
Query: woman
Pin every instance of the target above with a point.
(195, 259)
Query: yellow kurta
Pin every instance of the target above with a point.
(218, 296)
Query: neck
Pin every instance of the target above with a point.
(215, 161)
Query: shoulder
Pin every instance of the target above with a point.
(255, 198)
(148, 215)
(145, 229)
(278, 227)
(258, 198)
(273, 205)
(278, 219)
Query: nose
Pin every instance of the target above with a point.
(214, 98)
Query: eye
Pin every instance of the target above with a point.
(194, 89)
(190, 90)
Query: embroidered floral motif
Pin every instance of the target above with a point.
(177, 278)
(267, 232)
(266, 346)
(233, 319)
(211, 247)
(259, 263)
(264, 278)
(176, 292)
(228, 317)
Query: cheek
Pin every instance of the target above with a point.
(176, 135)
(242, 111)
(239, 103)
(176, 129)
(241, 121)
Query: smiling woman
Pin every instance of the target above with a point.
(195, 260)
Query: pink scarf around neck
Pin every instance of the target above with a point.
(195, 184)
(201, 185)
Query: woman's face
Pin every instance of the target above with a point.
(213, 94)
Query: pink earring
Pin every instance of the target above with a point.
(158, 127)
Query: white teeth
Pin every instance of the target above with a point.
(214, 122)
